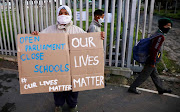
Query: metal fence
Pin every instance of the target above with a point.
(25, 16)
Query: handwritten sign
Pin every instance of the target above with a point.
(43, 62)
(60, 62)
(86, 58)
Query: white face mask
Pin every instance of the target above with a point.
(64, 19)
(101, 20)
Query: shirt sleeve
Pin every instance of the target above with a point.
(155, 46)
(43, 31)
(82, 31)
(91, 28)
(49, 29)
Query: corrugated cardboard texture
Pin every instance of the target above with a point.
(87, 60)
(51, 62)
(87, 82)
(52, 59)
(85, 41)
(43, 58)
(50, 38)
(42, 84)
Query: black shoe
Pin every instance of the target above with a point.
(130, 90)
(165, 91)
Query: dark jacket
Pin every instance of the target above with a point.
(155, 49)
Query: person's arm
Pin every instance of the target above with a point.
(49, 29)
(102, 35)
(155, 46)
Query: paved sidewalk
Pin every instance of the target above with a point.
(110, 99)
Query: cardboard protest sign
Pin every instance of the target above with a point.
(86, 58)
(60, 62)
(43, 63)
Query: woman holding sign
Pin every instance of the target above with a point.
(64, 25)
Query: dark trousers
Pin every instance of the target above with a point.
(145, 73)
(68, 96)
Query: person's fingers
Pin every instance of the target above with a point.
(35, 33)
(102, 34)
(102, 38)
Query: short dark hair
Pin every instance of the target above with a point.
(98, 12)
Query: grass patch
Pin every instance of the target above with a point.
(169, 13)
(170, 64)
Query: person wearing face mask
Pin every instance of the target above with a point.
(150, 69)
(64, 25)
(96, 24)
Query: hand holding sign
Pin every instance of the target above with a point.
(35, 33)
(44, 62)
(102, 35)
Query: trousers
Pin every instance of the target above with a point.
(145, 73)
(68, 96)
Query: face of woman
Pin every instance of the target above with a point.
(63, 12)
(63, 17)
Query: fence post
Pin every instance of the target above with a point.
(125, 26)
(22, 16)
(105, 29)
(137, 24)
(3, 32)
(81, 8)
(14, 23)
(75, 12)
(36, 16)
(175, 7)
(118, 32)
(69, 3)
(6, 26)
(100, 4)
(26, 17)
(151, 17)
(18, 20)
(87, 14)
(31, 15)
(166, 7)
(159, 4)
(1, 43)
(131, 35)
(46, 5)
(93, 8)
(111, 32)
(63, 2)
(41, 15)
(144, 21)
(0, 32)
(10, 27)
